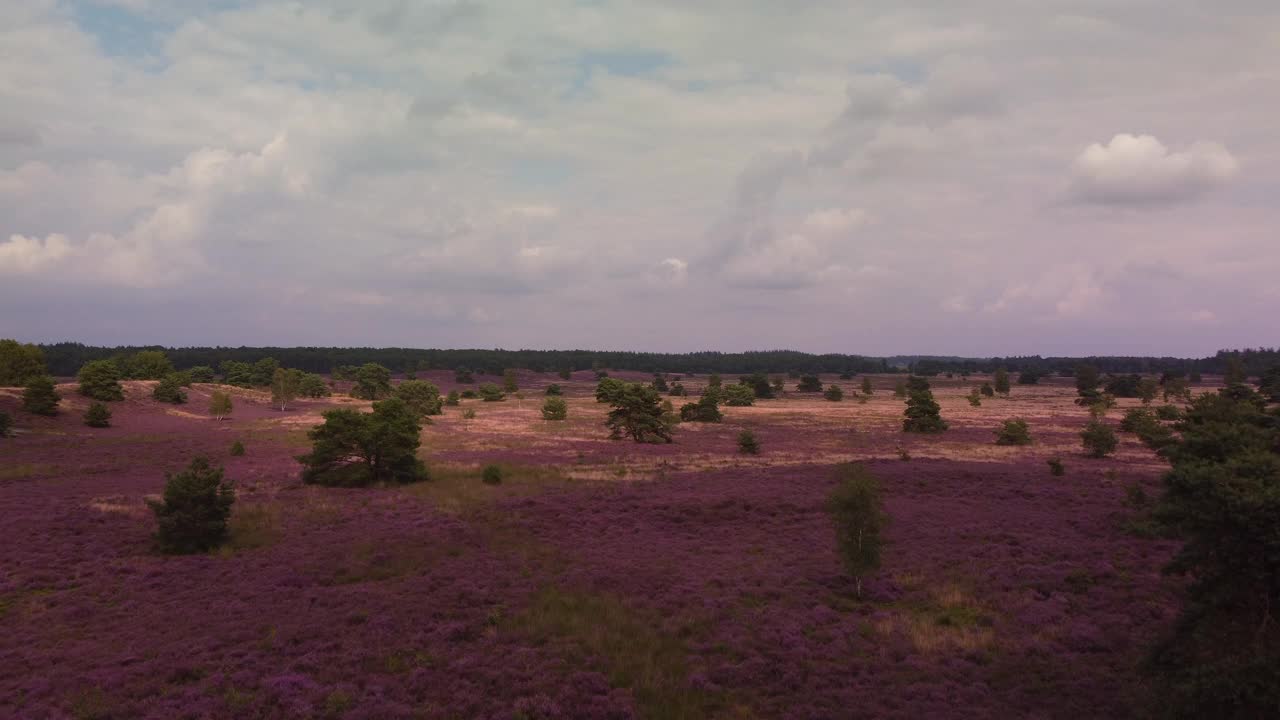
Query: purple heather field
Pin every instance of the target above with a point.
(601, 579)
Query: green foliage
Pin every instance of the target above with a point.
(1013, 432)
(1269, 383)
(866, 386)
(707, 409)
(421, 396)
(1136, 418)
(1099, 439)
(145, 365)
(169, 390)
(778, 386)
(809, 383)
(285, 386)
(192, 517)
(97, 416)
(491, 475)
(747, 443)
(40, 397)
(922, 413)
(1001, 381)
(610, 390)
(489, 392)
(100, 380)
(1235, 373)
(858, 514)
(463, 376)
(714, 380)
(469, 395)
(19, 363)
(677, 390)
(1148, 387)
(660, 382)
(555, 408)
(739, 395)
(451, 399)
(1222, 496)
(1056, 467)
(637, 413)
(237, 449)
(354, 449)
(1029, 377)
(987, 390)
(201, 374)
(900, 389)
(313, 386)
(1088, 378)
(6, 422)
(554, 389)
(1124, 386)
(833, 393)
(759, 384)
(509, 383)
(974, 398)
(566, 373)
(219, 404)
(373, 382)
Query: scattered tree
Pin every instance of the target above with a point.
(609, 390)
(707, 409)
(1029, 377)
(97, 416)
(219, 404)
(809, 383)
(555, 408)
(974, 398)
(554, 389)
(100, 380)
(192, 516)
(747, 443)
(169, 390)
(859, 518)
(1056, 467)
(353, 449)
(566, 373)
(451, 399)
(311, 385)
(760, 385)
(1088, 378)
(833, 393)
(1013, 432)
(987, 390)
(677, 390)
(1001, 381)
(421, 396)
(739, 395)
(1235, 373)
(463, 376)
(40, 397)
(237, 449)
(713, 380)
(509, 383)
(19, 363)
(373, 382)
(637, 413)
(866, 386)
(285, 385)
(490, 392)
(900, 389)
(145, 365)
(660, 382)
(1099, 439)
(922, 414)
(1148, 387)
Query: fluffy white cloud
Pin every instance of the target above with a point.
(1140, 169)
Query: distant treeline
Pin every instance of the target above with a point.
(67, 358)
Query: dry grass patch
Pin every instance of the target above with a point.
(457, 488)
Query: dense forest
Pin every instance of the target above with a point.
(65, 359)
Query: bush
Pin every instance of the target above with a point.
(353, 448)
(40, 397)
(858, 515)
(987, 390)
(237, 449)
(555, 408)
(554, 389)
(509, 382)
(463, 376)
(219, 404)
(1028, 377)
(747, 443)
(169, 390)
(705, 410)
(100, 380)
(739, 396)
(19, 363)
(833, 393)
(1099, 439)
(866, 386)
(421, 396)
(192, 517)
(608, 390)
(201, 374)
(373, 382)
(760, 385)
(469, 414)
(1013, 432)
(6, 422)
(452, 399)
(677, 390)
(809, 383)
(900, 389)
(922, 413)
(491, 475)
(311, 385)
(637, 413)
(974, 398)
(97, 416)
(1136, 419)
(490, 392)
(1169, 412)
(1001, 381)
(1056, 468)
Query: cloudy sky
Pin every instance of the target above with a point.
(970, 177)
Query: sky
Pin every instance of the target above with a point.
(970, 177)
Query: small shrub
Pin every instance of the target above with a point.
(97, 416)
(40, 397)
(866, 386)
(451, 399)
(1056, 468)
(677, 390)
(747, 443)
(237, 449)
(6, 422)
(705, 410)
(1169, 412)
(1013, 432)
(192, 517)
(1099, 439)
(169, 390)
(1136, 418)
(833, 393)
(974, 398)
(100, 380)
(490, 392)
(739, 395)
(1135, 496)
(809, 383)
(859, 517)
(555, 408)
(987, 390)
(491, 475)
(900, 389)
(903, 455)
(554, 389)
(469, 414)
(469, 394)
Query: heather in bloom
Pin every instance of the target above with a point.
(192, 517)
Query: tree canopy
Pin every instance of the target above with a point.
(352, 448)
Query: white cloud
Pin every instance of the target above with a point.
(835, 220)
(22, 254)
(1136, 169)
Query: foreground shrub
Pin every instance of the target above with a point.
(1169, 412)
(859, 518)
(6, 422)
(491, 475)
(1013, 432)
(1056, 467)
(1098, 439)
(97, 416)
(237, 449)
(833, 393)
(747, 443)
(352, 449)
(555, 408)
(40, 397)
(637, 414)
(192, 517)
(489, 392)
(451, 399)
(169, 390)
(100, 380)
(922, 413)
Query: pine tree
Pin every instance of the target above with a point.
(40, 397)
(922, 414)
